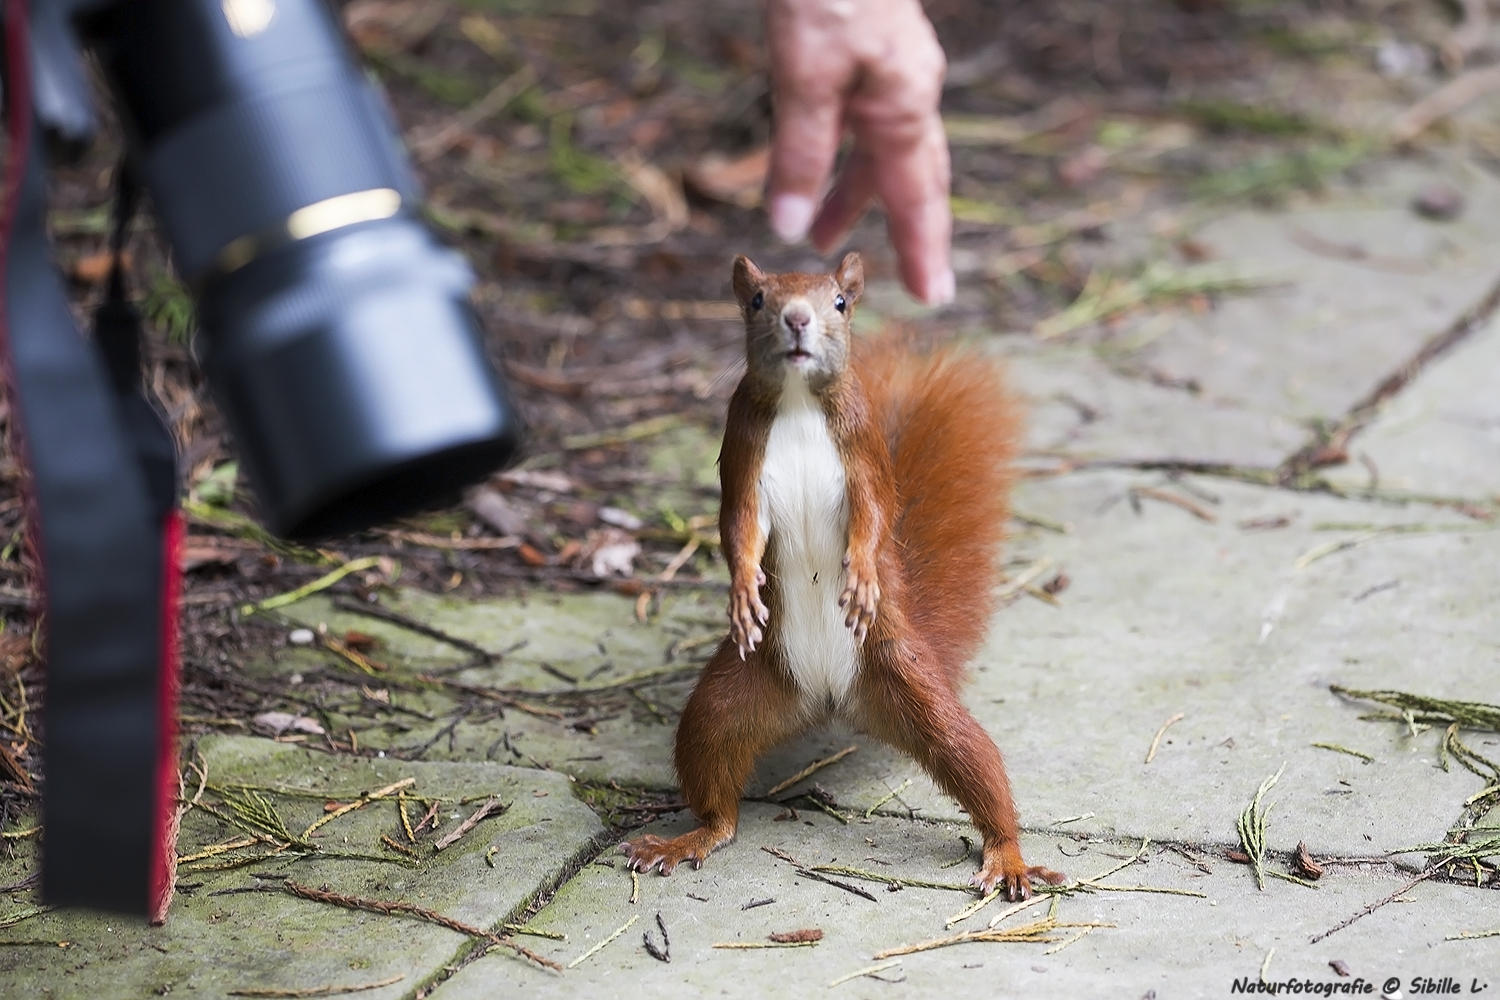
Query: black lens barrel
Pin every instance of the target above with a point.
(336, 333)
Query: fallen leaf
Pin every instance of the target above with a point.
(1084, 167)
(15, 650)
(277, 723)
(360, 642)
(93, 268)
(610, 551)
(556, 482)
(739, 180)
(495, 509)
(1305, 863)
(664, 194)
(530, 556)
(194, 557)
(620, 518)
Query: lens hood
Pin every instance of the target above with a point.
(351, 369)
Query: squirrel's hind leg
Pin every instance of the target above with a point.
(738, 711)
(905, 702)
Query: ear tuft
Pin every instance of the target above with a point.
(748, 279)
(850, 276)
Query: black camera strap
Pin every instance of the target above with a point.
(100, 514)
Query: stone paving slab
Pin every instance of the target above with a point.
(1179, 946)
(1308, 345)
(216, 942)
(1441, 436)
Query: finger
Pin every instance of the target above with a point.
(896, 121)
(913, 184)
(847, 203)
(806, 92)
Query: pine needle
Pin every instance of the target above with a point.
(598, 947)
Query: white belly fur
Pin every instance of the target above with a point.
(804, 504)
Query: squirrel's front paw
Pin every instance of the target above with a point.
(1003, 869)
(861, 596)
(747, 614)
(665, 854)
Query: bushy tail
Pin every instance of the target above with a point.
(954, 431)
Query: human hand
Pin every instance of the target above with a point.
(875, 67)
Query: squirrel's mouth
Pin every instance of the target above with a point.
(798, 354)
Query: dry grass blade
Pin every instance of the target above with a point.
(975, 907)
(757, 945)
(1156, 740)
(321, 583)
(888, 797)
(598, 947)
(1036, 931)
(363, 801)
(869, 876)
(25, 913)
(1444, 101)
(319, 991)
(493, 807)
(868, 970)
(1104, 295)
(1026, 578)
(389, 907)
(811, 769)
(1252, 829)
(1336, 748)
(213, 850)
(1194, 508)
(1072, 940)
(490, 104)
(1370, 534)
(1012, 910)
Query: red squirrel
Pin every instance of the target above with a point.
(865, 494)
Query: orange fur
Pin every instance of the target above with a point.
(925, 440)
(953, 432)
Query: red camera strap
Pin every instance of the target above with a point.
(101, 518)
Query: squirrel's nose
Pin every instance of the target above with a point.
(796, 318)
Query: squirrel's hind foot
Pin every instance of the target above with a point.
(1004, 867)
(649, 851)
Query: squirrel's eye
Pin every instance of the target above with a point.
(758, 301)
(840, 304)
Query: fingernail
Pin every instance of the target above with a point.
(792, 216)
(941, 288)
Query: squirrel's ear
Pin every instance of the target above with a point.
(851, 276)
(748, 279)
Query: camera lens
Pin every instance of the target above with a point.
(335, 331)
(352, 372)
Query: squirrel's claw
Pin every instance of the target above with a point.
(1004, 868)
(665, 854)
(745, 611)
(861, 597)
